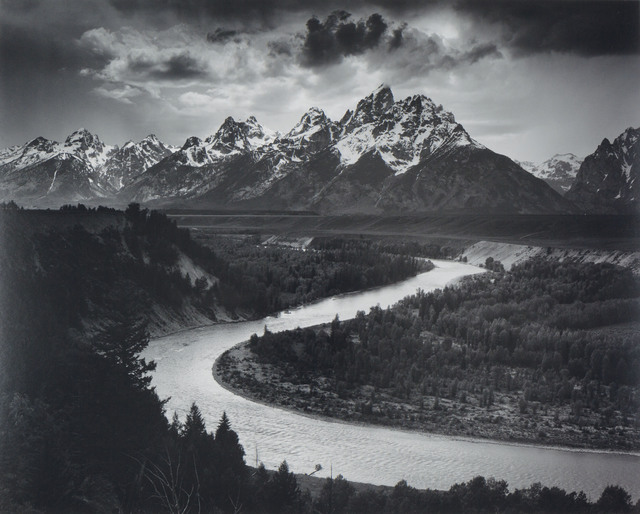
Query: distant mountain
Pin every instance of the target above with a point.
(127, 163)
(47, 173)
(384, 156)
(607, 181)
(559, 172)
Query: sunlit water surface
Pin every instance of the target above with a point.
(364, 453)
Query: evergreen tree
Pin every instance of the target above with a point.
(282, 491)
(124, 336)
(614, 499)
(194, 426)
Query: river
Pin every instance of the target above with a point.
(364, 453)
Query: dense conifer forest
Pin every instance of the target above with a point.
(546, 352)
(270, 278)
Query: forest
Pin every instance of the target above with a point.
(546, 352)
(271, 278)
(82, 430)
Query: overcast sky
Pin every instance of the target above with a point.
(527, 79)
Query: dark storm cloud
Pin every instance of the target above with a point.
(438, 59)
(280, 47)
(241, 9)
(327, 42)
(181, 66)
(585, 27)
(29, 51)
(213, 8)
(397, 38)
(420, 54)
(479, 52)
(20, 5)
(221, 35)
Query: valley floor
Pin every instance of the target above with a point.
(240, 371)
(602, 232)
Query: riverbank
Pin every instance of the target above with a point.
(239, 371)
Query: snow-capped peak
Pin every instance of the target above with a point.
(559, 171)
(87, 146)
(370, 107)
(257, 135)
(402, 133)
(191, 141)
(229, 134)
(83, 138)
(36, 150)
(312, 121)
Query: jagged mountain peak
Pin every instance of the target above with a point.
(148, 143)
(257, 135)
(228, 132)
(40, 144)
(234, 134)
(83, 138)
(608, 178)
(629, 136)
(84, 145)
(559, 171)
(426, 109)
(314, 118)
(152, 143)
(371, 107)
(385, 155)
(37, 141)
(382, 97)
(403, 133)
(151, 138)
(605, 144)
(190, 142)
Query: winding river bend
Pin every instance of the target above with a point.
(364, 453)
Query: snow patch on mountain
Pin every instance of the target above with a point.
(559, 171)
(403, 133)
(84, 144)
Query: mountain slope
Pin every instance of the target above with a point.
(607, 181)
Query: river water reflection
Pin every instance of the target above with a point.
(364, 453)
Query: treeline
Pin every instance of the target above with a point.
(477, 495)
(391, 246)
(517, 335)
(273, 278)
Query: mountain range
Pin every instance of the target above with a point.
(384, 156)
(559, 172)
(46, 173)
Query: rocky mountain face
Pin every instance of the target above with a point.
(46, 173)
(607, 181)
(559, 172)
(133, 159)
(384, 156)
